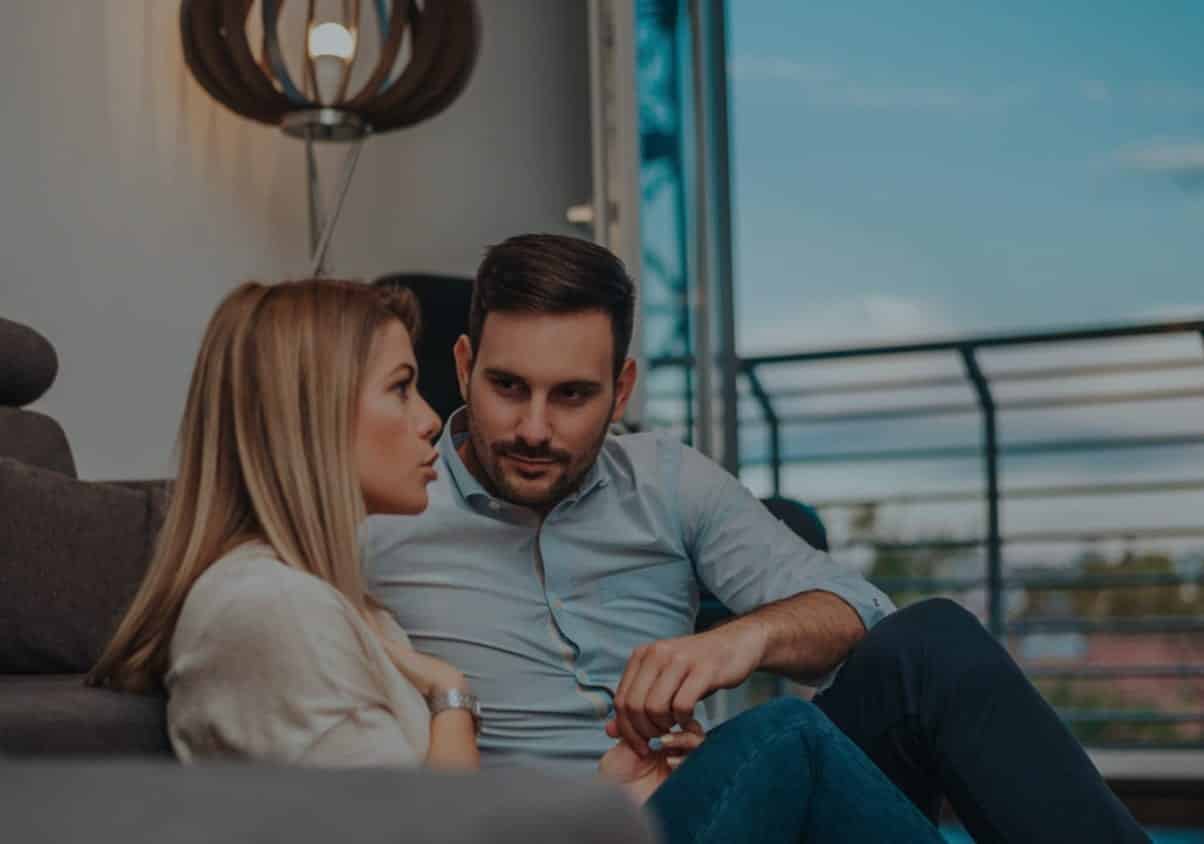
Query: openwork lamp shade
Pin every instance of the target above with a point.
(425, 57)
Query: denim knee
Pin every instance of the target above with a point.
(936, 630)
(773, 721)
(939, 614)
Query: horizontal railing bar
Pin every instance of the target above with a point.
(1079, 716)
(1140, 624)
(1062, 491)
(1177, 746)
(963, 408)
(1047, 582)
(953, 344)
(1109, 672)
(935, 381)
(903, 583)
(982, 342)
(1035, 537)
(1024, 449)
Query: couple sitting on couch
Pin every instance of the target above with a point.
(553, 574)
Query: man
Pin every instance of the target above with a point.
(558, 567)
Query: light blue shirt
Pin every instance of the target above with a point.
(542, 617)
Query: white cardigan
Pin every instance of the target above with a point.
(271, 663)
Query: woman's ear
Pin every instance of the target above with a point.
(463, 354)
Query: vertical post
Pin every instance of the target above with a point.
(986, 403)
(716, 324)
(704, 360)
(615, 139)
(724, 280)
(598, 42)
(774, 426)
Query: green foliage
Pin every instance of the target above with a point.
(1064, 694)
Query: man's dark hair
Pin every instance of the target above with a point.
(553, 274)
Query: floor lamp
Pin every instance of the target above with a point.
(426, 55)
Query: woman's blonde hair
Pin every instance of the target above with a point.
(264, 451)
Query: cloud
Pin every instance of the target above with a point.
(825, 86)
(1180, 162)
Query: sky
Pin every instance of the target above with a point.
(942, 168)
(903, 169)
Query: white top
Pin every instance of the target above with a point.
(268, 662)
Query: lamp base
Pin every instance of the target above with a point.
(324, 124)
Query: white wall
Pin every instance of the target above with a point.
(130, 202)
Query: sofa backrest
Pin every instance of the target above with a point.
(71, 552)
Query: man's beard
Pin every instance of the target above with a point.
(489, 456)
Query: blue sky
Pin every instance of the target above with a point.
(953, 167)
(905, 170)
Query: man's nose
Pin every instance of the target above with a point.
(533, 427)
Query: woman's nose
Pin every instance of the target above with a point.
(430, 422)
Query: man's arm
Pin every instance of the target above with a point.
(805, 637)
(797, 612)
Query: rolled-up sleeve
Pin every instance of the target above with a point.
(748, 558)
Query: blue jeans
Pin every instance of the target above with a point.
(943, 711)
(783, 772)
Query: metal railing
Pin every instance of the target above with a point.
(991, 450)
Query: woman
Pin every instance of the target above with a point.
(302, 418)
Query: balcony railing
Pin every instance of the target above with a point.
(779, 430)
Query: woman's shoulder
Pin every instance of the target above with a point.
(251, 591)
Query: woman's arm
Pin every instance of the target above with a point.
(453, 731)
(453, 741)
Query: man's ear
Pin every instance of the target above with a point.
(463, 354)
(624, 385)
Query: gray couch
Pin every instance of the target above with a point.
(86, 763)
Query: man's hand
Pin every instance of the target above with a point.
(665, 680)
(641, 776)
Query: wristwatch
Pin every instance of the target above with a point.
(440, 700)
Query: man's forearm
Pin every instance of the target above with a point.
(804, 636)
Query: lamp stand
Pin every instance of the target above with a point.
(325, 124)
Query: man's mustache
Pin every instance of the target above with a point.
(525, 452)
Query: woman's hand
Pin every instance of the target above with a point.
(642, 776)
(427, 673)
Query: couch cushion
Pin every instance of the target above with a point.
(71, 556)
(28, 364)
(58, 715)
(36, 439)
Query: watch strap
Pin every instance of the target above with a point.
(442, 700)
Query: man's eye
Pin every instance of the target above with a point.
(576, 395)
(506, 385)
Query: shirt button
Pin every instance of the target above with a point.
(495, 505)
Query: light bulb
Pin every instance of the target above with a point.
(331, 39)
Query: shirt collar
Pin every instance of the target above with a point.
(454, 433)
(471, 490)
